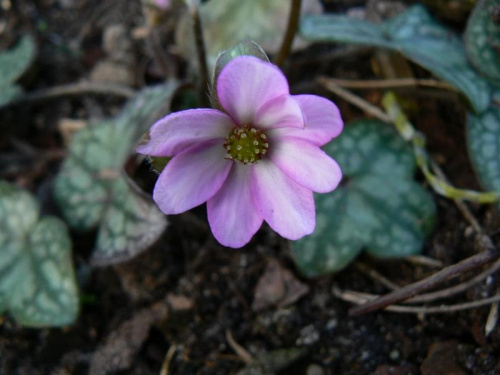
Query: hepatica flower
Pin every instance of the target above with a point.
(258, 159)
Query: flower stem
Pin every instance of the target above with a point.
(293, 22)
(201, 52)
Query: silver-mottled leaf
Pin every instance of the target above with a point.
(18, 211)
(378, 207)
(37, 281)
(334, 28)
(132, 223)
(482, 39)
(417, 36)
(92, 188)
(483, 138)
(45, 293)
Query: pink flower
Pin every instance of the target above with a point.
(258, 160)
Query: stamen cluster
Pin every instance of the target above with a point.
(246, 144)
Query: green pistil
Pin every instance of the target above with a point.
(246, 145)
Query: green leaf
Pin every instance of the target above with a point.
(414, 34)
(227, 22)
(378, 206)
(130, 224)
(483, 139)
(37, 280)
(482, 39)
(13, 63)
(92, 188)
(333, 28)
(9, 93)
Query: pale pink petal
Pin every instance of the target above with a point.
(322, 121)
(180, 130)
(283, 111)
(287, 206)
(232, 213)
(246, 84)
(191, 178)
(306, 164)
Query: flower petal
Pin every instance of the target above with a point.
(283, 111)
(287, 206)
(180, 130)
(232, 213)
(247, 83)
(306, 164)
(322, 121)
(191, 178)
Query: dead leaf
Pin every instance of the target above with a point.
(122, 345)
(441, 359)
(277, 287)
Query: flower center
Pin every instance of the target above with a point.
(246, 145)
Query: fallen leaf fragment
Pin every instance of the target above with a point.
(122, 345)
(277, 287)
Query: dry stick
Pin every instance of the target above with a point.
(168, 358)
(445, 274)
(422, 260)
(201, 52)
(370, 272)
(462, 287)
(293, 22)
(430, 282)
(391, 83)
(241, 351)
(75, 89)
(362, 298)
(354, 99)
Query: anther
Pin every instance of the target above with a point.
(246, 144)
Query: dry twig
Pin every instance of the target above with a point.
(365, 298)
(168, 358)
(241, 351)
(391, 83)
(76, 89)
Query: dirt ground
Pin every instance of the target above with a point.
(188, 304)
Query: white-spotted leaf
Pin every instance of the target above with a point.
(483, 138)
(37, 280)
(414, 34)
(13, 63)
(482, 38)
(92, 188)
(378, 206)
